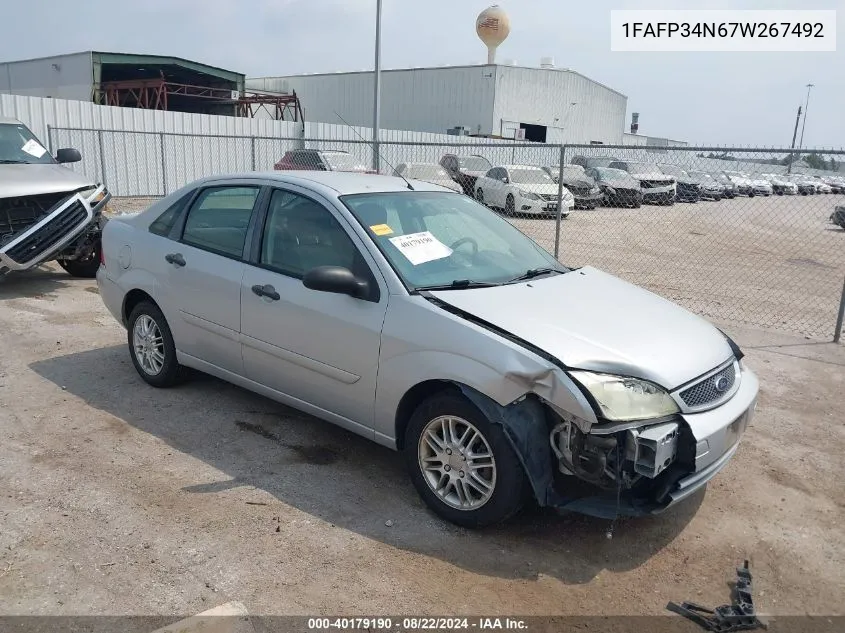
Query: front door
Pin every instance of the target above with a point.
(316, 347)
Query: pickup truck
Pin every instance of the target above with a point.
(47, 211)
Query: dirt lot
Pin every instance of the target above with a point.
(206, 493)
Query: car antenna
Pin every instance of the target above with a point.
(380, 155)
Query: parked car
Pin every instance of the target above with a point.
(421, 320)
(582, 187)
(688, 188)
(805, 186)
(523, 190)
(619, 188)
(47, 211)
(711, 188)
(780, 185)
(465, 170)
(821, 185)
(658, 188)
(837, 185)
(731, 190)
(838, 217)
(744, 186)
(428, 172)
(760, 186)
(589, 162)
(322, 160)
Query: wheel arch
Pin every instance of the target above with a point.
(132, 299)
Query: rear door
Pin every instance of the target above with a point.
(317, 347)
(204, 272)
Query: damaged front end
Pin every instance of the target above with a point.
(39, 228)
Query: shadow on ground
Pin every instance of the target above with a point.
(347, 480)
(32, 283)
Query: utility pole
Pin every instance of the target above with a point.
(794, 135)
(377, 90)
(806, 107)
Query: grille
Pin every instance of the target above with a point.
(651, 184)
(21, 212)
(36, 244)
(705, 392)
(579, 191)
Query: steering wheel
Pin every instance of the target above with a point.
(466, 240)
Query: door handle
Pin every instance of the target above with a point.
(266, 291)
(175, 258)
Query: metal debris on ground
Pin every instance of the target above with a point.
(738, 616)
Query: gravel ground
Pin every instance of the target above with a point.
(206, 493)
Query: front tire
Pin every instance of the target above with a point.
(86, 267)
(479, 195)
(510, 205)
(461, 464)
(151, 346)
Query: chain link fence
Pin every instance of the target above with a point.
(736, 235)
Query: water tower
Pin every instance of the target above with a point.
(493, 27)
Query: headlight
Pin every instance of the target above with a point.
(90, 191)
(594, 190)
(625, 399)
(611, 191)
(528, 195)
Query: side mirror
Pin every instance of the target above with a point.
(336, 279)
(68, 155)
(505, 180)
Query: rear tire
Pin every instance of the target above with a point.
(491, 489)
(151, 346)
(479, 195)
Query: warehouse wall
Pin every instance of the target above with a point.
(543, 96)
(423, 100)
(59, 77)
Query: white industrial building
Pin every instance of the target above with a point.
(552, 105)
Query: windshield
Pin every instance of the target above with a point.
(609, 173)
(530, 177)
(339, 161)
(700, 174)
(672, 170)
(19, 145)
(435, 239)
(643, 168)
(432, 172)
(474, 163)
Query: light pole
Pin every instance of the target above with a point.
(806, 106)
(377, 90)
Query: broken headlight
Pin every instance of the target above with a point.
(624, 399)
(89, 195)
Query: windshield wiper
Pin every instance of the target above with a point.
(535, 272)
(6, 161)
(459, 284)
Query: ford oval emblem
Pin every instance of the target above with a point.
(720, 383)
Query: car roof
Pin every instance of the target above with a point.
(8, 119)
(337, 182)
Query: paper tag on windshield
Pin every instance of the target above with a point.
(420, 248)
(33, 148)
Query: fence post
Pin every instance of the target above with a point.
(163, 165)
(50, 139)
(102, 157)
(253, 153)
(559, 199)
(838, 333)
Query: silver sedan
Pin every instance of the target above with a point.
(416, 317)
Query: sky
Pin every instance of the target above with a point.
(738, 99)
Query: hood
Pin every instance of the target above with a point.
(622, 183)
(591, 320)
(654, 176)
(579, 182)
(30, 180)
(546, 189)
(473, 172)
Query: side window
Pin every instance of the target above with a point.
(300, 234)
(492, 173)
(164, 223)
(219, 218)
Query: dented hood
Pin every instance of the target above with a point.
(34, 179)
(591, 320)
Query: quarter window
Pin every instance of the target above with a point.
(164, 223)
(219, 219)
